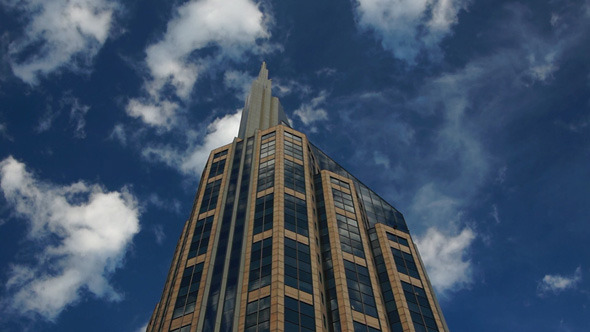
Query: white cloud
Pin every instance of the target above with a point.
(311, 112)
(446, 259)
(191, 161)
(80, 234)
(557, 283)
(61, 33)
(232, 27)
(159, 114)
(407, 27)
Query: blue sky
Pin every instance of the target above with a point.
(471, 117)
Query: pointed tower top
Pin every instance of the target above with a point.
(263, 72)
(261, 110)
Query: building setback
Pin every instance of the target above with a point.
(282, 238)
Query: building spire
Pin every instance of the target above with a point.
(261, 110)
(263, 72)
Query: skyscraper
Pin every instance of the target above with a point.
(282, 238)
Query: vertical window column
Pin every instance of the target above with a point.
(327, 264)
(299, 316)
(260, 264)
(189, 289)
(263, 213)
(386, 291)
(296, 215)
(420, 310)
(298, 266)
(209, 201)
(360, 290)
(350, 236)
(266, 169)
(294, 176)
(258, 315)
(405, 263)
(201, 235)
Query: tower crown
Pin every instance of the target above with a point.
(261, 110)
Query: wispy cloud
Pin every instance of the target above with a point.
(60, 34)
(408, 27)
(227, 29)
(311, 112)
(78, 113)
(80, 234)
(555, 283)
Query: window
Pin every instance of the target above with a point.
(217, 168)
(419, 308)
(343, 200)
(219, 154)
(298, 266)
(294, 176)
(296, 215)
(294, 150)
(350, 238)
(398, 239)
(258, 315)
(299, 316)
(263, 213)
(340, 183)
(209, 201)
(267, 136)
(200, 237)
(185, 328)
(266, 175)
(360, 290)
(293, 137)
(260, 264)
(405, 263)
(189, 289)
(267, 148)
(360, 327)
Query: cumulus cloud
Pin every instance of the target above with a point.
(228, 29)
(312, 112)
(555, 283)
(407, 27)
(80, 233)
(190, 161)
(59, 34)
(447, 259)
